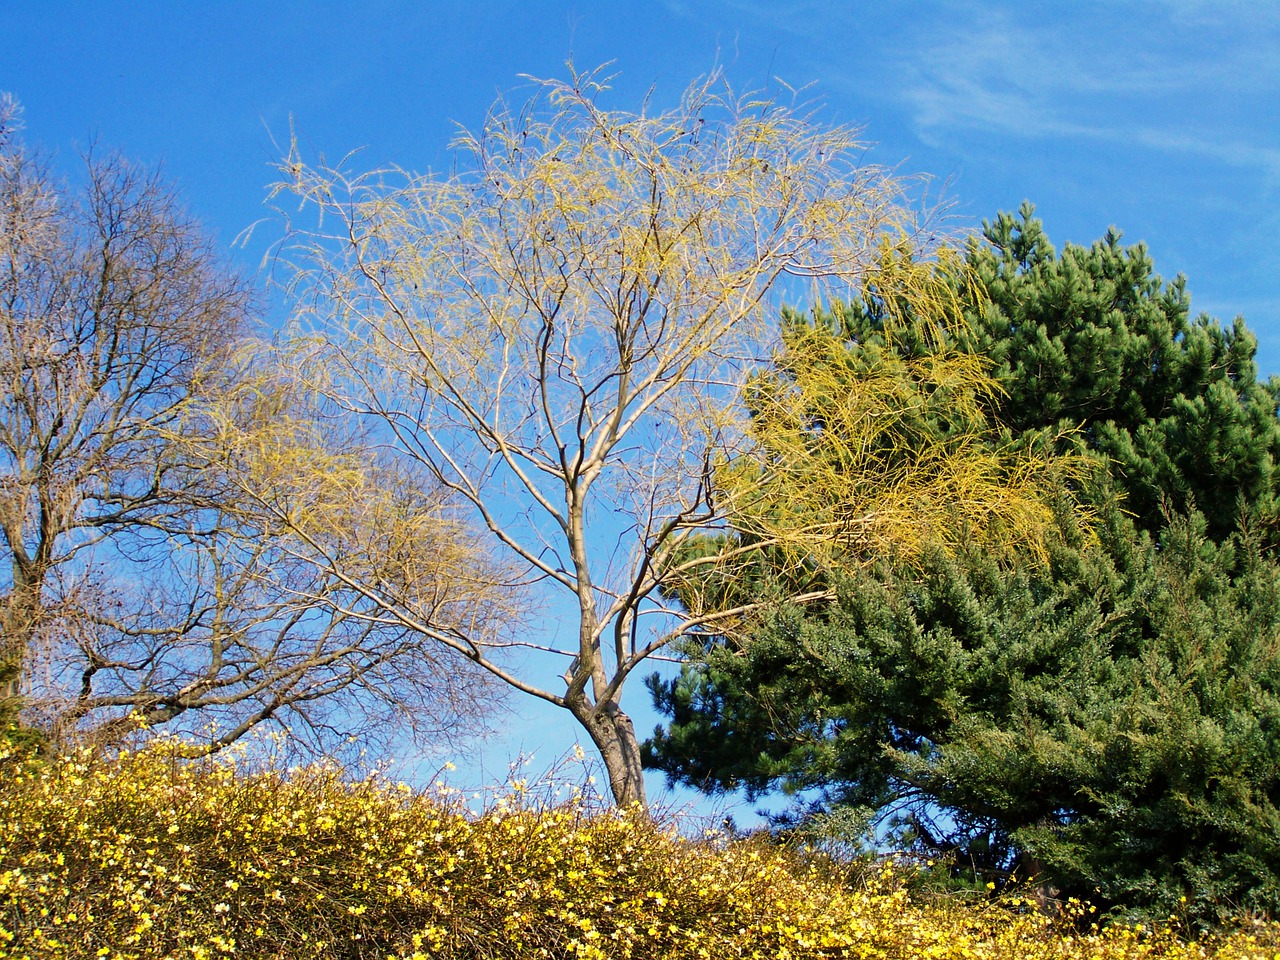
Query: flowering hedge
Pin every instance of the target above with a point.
(152, 856)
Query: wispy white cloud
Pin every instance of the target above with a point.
(1079, 79)
(993, 78)
(1183, 78)
(1232, 152)
(1215, 12)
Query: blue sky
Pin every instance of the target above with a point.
(1161, 117)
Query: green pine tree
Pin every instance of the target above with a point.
(1105, 718)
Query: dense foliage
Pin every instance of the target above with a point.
(1094, 349)
(1110, 718)
(1106, 720)
(151, 857)
(1092, 340)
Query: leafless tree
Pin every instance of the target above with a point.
(136, 594)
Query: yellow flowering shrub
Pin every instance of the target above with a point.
(152, 856)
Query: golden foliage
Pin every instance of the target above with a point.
(149, 856)
(328, 500)
(859, 455)
(557, 332)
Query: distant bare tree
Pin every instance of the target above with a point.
(135, 595)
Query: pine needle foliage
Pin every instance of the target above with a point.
(1105, 720)
(1095, 351)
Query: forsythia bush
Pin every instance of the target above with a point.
(152, 856)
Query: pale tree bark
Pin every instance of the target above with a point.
(560, 334)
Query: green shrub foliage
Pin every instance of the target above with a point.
(1108, 721)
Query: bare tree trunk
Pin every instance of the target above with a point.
(17, 628)
(614, 735)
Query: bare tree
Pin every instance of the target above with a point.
(111, 311)
(136, 593)
(559, 333)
